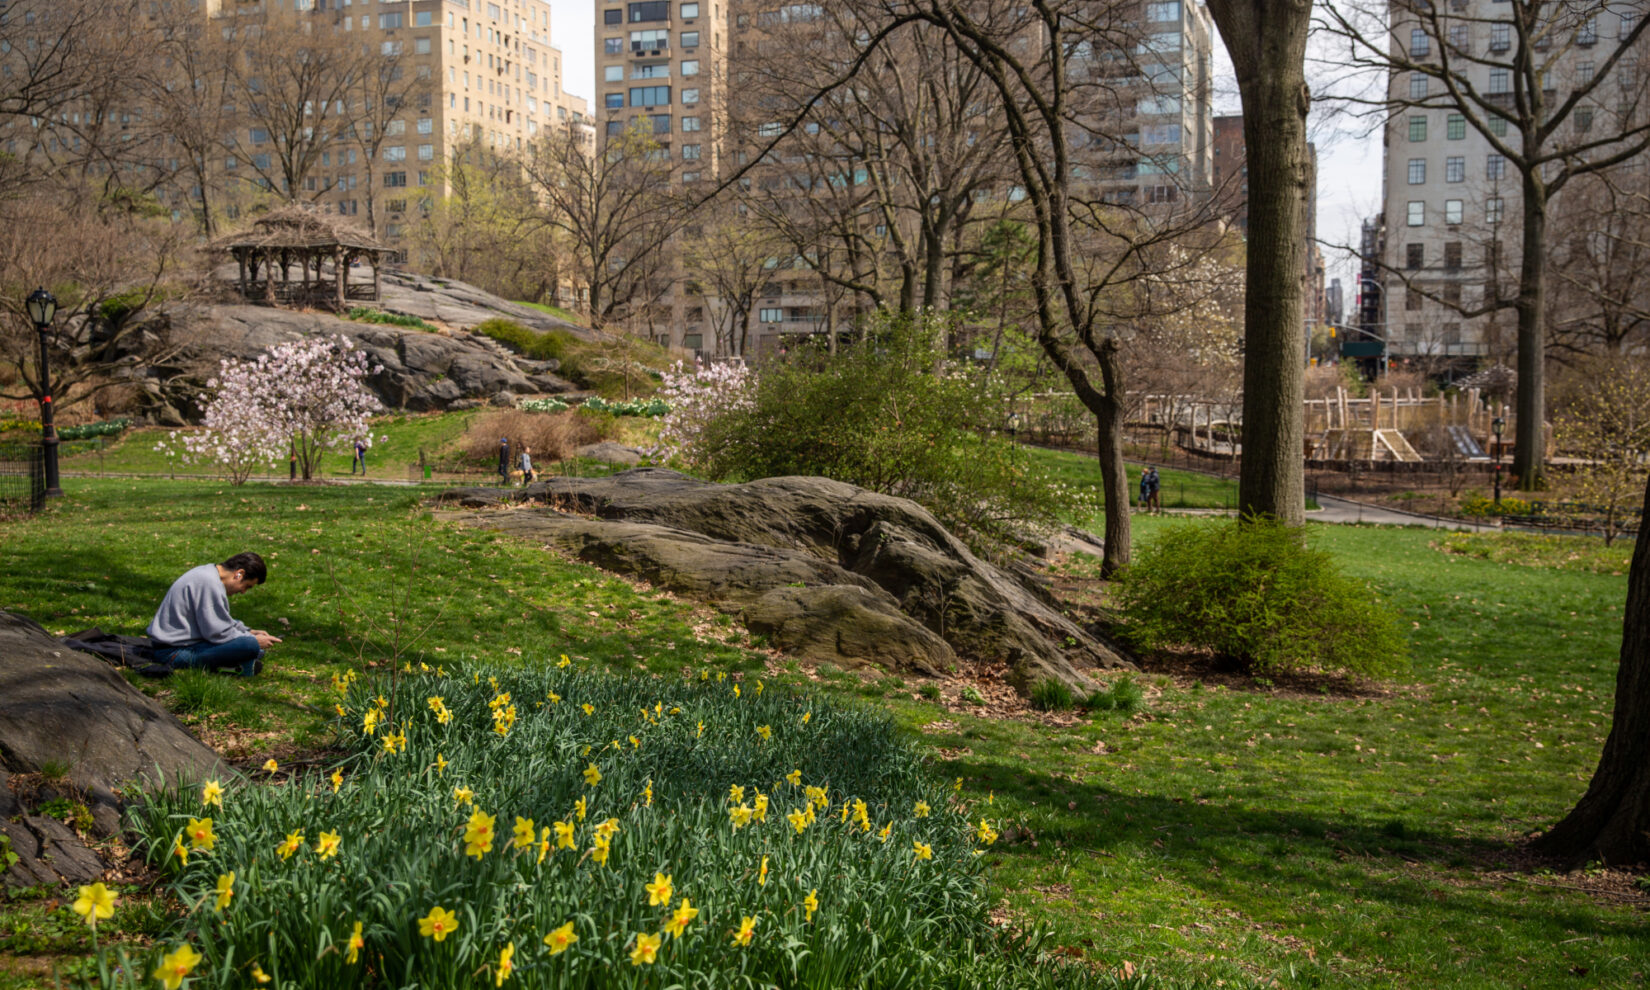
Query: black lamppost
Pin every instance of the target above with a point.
(1496, 426)
(42, 310)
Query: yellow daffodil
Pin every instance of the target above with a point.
(180, 850)
(635, 743)
(555, 699)
(659, 891)
(759, 809)
(478, 834)
(684, 913)
(436, 703)
(986, 833)
(327, 845)
(700, 732)
(758, 687)
(795, 778)
(798, 820)
(922, 850)
(382, 702)
(499, 700)
(887, 830)
(721, 675)
(564, 661)
(765, 731)
(580, 809)
(389, 742)
(259, 975)
(564, 835)
(560, 939)
(523, 833)
(958, 788)
(369, 722)
(862, 815)
(740, 815)
(704, 675)
(810, 903)
(921, 809)
(647, 793)
(95, 903)
(991, 798)
(615, 744)
(200, 833)
(463, 795)
(807, 717)
(762, 875)
(592, 776)
(212, 793)
(440, 764)
(503, 719)
(438, 924)
(175, 965)
(544, 844)
(820, 796)
(599, 851)
(270, 766)
(337, 780)
(340, 710)
(747, 928)
(608, 829)
(589, 709)
(736, 690)
(226, 889)
(355, 944)
(505, 964)
(646, 950)
(736, 794)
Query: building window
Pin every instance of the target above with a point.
(690, 97)
(661, 123)
(1452, 211)
(649, 96)
(1455, 168)
(1456, 127)
(613, 46)
(649, 40)
(615, 128)
(395, 153)
(1584, 73)
(690, 124)
(651, 10)
(1412, 299)
(693, 341)
(613, 73)
(1500, 37)
(614, 100)
(1495, 166)
(421, 46)
(1500, 81)
(1628, 21)
(1169, 11)
(1493, 209)
(1417, 171)
(690, 152)
(426, 125)
(1584, 118)
(1452, 255)
(395, 179)
(690, 176)
(773, 315)
(690, 11)
(389, 22)
(259, 135)
(690, 39)
(1417, 213)
(690, 67)
(1498, 126)
(1417, 128)
(1417, 86)
(1458, 37)
(1414, 256)
(1420, 46)
(423, 19)
(395, 127)
(612, 17)
(1587, 33)
(426, 152)
(651, 70)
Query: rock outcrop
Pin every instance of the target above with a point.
(825, 569)
(69, 722)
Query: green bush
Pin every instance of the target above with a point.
(1255, 593)
(890, 414)
(1122, 696)
(88, 431)
(365, 314)
(1479, 505)
(888, 851)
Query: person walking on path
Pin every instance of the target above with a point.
(1150, 486)
(504, 460)
(527, 474)
(192, 628)
(360, 458)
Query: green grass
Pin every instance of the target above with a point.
(1180, 489)
(1225, 830)
(1569, 553)
(556, 311)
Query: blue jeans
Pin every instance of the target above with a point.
(241, 654)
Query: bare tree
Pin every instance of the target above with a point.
(189, 85)
(381, 91)
(1600, 260)
(1539, 106)
(1606, 424)
(732, 260)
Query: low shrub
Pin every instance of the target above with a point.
(1256, 594)
(627, 407)
(1050, 695)
(553, 436)
(1124, 695)
(89, 431)
(363, 314)
(551, 346)
(1479, 505)
(573, 829)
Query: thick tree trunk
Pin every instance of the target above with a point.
(1267, 42)
(1530, 439)
(1114, 478)
(1611, 822)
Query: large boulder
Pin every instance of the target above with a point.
(68, 719)
(815, 531)
(847, 625)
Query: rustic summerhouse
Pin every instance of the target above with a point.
(318, 245)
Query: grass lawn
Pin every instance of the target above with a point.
(1180, 489)
(1228, 831)
(556, 311)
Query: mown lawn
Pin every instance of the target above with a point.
(1180, 489)
(1228, 831)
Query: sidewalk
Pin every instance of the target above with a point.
(1348, 512)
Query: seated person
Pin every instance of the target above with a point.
(193, 627)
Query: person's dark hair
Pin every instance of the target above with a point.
(249, 562)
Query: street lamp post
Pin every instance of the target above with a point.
(42, 307)
(1497, 425)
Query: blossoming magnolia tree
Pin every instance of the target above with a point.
(300, 397)
(696, 396)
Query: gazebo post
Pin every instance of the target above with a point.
(340, 262)
(269, 277)
(377, 285)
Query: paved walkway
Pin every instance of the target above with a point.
(1345, 510)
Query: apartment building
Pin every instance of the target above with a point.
(679, 69)
(1448, 236)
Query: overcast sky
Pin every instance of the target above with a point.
(1349, 164)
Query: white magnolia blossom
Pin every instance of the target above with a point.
(696, 396)
(295, 400)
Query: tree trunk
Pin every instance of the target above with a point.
(1611, 822)
(1114, 478)
(1530, 439)
(1267, 42)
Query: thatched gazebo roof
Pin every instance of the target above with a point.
(300, 228)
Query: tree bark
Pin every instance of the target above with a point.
(1114, 477)
(1529, 437)
(1267, 42)
(1611, 822)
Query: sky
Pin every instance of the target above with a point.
(1349, 161)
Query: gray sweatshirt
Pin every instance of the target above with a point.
(195, 610)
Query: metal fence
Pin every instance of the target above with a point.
(22, 477)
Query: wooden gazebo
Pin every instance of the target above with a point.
(309, 238)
